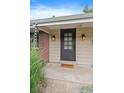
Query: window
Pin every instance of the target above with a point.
(67, 40)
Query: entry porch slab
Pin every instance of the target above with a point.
(78, 74)
(67, 80)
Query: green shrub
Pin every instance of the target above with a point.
(36, 70)
(87, 89)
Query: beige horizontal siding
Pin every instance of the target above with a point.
(55, 46)
(84, 49)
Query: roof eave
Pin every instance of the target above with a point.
(63, 18)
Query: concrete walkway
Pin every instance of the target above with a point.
(67, 80)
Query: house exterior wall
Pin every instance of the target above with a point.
(84, 48)
(54, 46)
(44, 46)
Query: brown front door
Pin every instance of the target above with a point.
(68, 44)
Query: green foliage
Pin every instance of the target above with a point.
(87, 9)
(87, 89)
(36, 70)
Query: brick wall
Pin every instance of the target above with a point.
(44, 46)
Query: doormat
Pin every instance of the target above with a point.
(67, 65)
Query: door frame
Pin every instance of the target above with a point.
(65, 30)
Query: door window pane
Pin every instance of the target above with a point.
(65, 34)
(69, 43)
(67, 40)
(69, 34)
(69, 47)
(70, 38)
(65, 43)
(65, 47)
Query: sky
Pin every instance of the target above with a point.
(47, 8)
